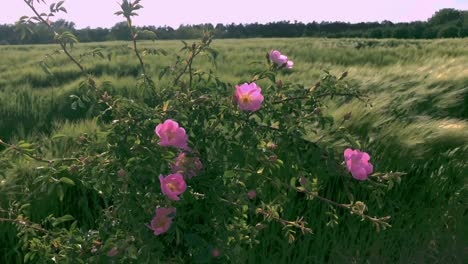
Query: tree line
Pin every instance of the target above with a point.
(445, 23)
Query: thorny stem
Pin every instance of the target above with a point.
(188, 66)
(135, 48)
(349, 207)
(190, 73)
(257, 78)
(62, 45)
(25, 223)
(314, 96)
(299, 223)
(40, 159)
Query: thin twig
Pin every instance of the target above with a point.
(64, 47)
(25, 223)
(348, 207)
(40, 159)
(315, 97)
(300, 224)
(188, 66)
(135, 48)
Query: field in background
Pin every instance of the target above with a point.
(418, 123)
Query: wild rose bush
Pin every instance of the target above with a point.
(195, 172)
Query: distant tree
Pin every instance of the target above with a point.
(445, 23)
(417, 30)
(63, 25)
(448, 32)
(376, 33)
(401, 32)
(445, 15)
(464, 24)
(120, 31)
(430, 33)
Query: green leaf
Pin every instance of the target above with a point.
(27, 256)
(60, 3)
(45, 67)
(293, 181)
(67, 181)
(63, 219)
(229, 174)
(25, 145)
(60, 193)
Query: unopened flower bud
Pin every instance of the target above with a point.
(273, 158)
(279, 83)
(121, 173)
(303, 181)
(347, 116)
(271, 145)
(259, 226)
(252, 195)
(73, 168)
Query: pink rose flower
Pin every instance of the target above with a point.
(173, 185)
(252, 195)
(289, 65)
(278, 58)
(249, 97)
(162, 221)
(358, 164)
(172, 135)
(187, 166)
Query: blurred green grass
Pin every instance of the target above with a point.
(417, 123)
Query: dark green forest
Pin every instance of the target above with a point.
(445, 23)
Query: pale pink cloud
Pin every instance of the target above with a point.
(175, 12)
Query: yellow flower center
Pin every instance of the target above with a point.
(161, 222)
(170, 135)
(171, 186)
(245, 99)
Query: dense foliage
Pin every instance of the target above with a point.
(446, 23)
(236, 159)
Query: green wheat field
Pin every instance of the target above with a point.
(416, 122)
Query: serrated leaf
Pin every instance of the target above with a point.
(60, 3)
(63, 219)
(293, 181)
(25, 145)
(57, 136)
(60, 193)
(67, 181)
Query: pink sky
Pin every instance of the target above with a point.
(99, 13)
